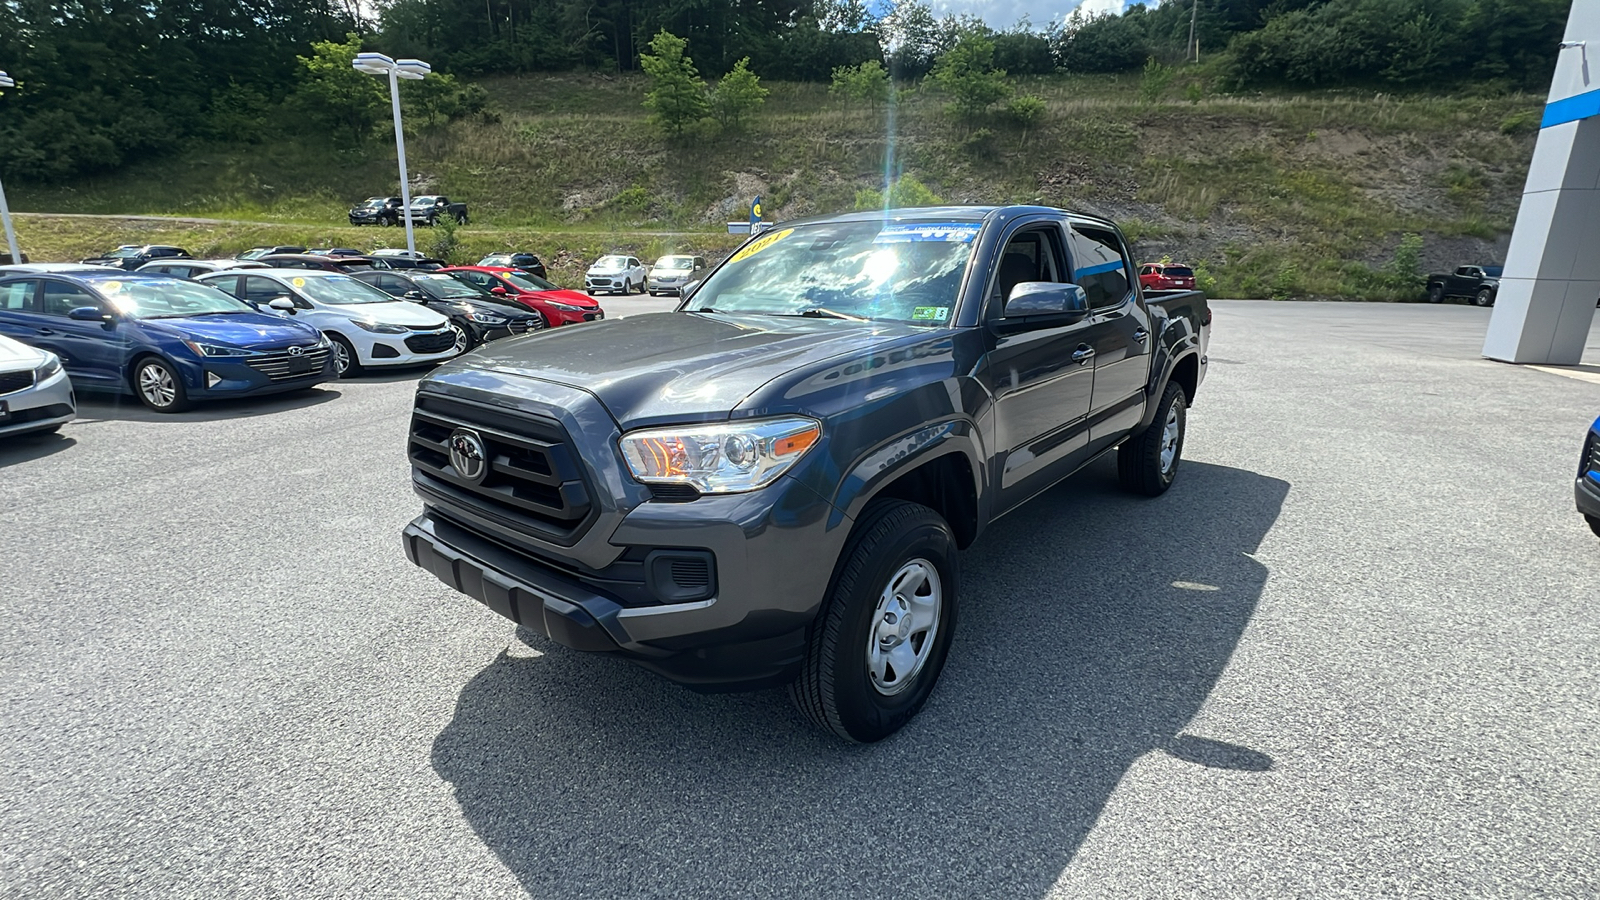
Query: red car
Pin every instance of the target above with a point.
(558, 306)
(1166, 277)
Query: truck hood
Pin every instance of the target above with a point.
(679, 367)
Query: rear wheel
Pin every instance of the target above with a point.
(1435, 293)
(158, 385)
(1147, 463)
(1484, 297)
(880, 642)
(461, 218)
(385, 222)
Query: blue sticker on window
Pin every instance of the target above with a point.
(956, 232)
(1086, 271)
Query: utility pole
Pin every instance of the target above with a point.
(1194, 44)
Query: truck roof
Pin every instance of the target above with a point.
(948, 213)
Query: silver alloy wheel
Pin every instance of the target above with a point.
(904, 627)
(341, 358)
(462, 340)
(1169, 440)
(157, 386)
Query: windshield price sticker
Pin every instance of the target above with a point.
(930, 314)
(760, 244)
(298, 282)
(954, 232)
(111, 287)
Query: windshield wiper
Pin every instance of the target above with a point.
(822, 312)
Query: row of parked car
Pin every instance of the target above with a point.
(176, 330)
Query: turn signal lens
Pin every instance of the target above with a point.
(724, 458)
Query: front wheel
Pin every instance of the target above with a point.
(1435, 293)
(1148, 462)
(159, 387)
(345, 361)
(464, 341)
(385, 222)
(881, 639)
(1484, 297)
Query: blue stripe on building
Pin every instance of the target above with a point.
(1578, 106)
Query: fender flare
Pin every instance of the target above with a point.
(888, 460)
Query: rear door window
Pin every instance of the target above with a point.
(1099, 267)
(19, 296)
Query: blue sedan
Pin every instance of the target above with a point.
(167, 341)
(1588, 487)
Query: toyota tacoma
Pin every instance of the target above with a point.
(771, 484)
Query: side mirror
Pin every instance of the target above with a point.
(1047, 298)
(497, 289)
(90, 314)
(415, 296)
(282, 303)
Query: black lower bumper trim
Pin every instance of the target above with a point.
(1587, 493)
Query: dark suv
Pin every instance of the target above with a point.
(132, 256)
(770, 485)
(527, 262)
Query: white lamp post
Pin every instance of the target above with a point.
(412, 70)
(5, 211)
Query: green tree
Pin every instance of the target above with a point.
(438, 99)
(865, 83)
(966, 73)
(677, 94)
(346, 102)
(1027, 111)
(906, 192)
(737, 95)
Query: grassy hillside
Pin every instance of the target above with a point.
(1277, 194)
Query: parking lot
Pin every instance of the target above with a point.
(1351, 653)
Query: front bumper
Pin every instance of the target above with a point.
(654, 286)
(1587, 493)
(220, 377)
(45, 405)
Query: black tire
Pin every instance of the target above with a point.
(461, 219)
(385, 222)
(1594, 523)
(1484, 297)
(1141, 466)
(836, 689)
(158, 385)
(352, 364)
(1435, 293)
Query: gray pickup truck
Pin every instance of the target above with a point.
(770, 485)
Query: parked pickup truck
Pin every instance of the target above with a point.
(429, 209)
(1480, 283)
(770, 485)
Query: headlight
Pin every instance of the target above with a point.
(47, 369)
(380, 327)
(485, 318)
(215, 350)
(723, 458)
(567, 306)
(322, 340)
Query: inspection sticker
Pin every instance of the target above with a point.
(298, 282)
(956, 232)
(760, 244)
(930, 313)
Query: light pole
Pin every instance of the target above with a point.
(411, 70)
(5, 211)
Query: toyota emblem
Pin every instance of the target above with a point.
(467, 454)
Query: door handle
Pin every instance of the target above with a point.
(47, 331)
(1082, 355)
(1141, 335)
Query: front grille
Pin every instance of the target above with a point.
(431, 343)
(534, 481)
(600, 282)
(523, 326)
(11, 382)
(1592, 458)
(281, 366)
(592, 316)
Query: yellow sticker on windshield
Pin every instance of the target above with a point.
(298, 282)
(111, 287)
(760, 244)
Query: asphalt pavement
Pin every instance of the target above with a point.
(1351, 653)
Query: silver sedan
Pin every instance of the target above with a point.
(35, 393)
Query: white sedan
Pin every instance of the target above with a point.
(35, 394)
(616, 274)
(367, 326)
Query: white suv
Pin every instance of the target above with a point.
(616, 274)
(367, 326)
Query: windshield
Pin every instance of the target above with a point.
(339, 290)
(423, 201)
(675, 262)
(611, 262)
(123, 253)
(150, 299)
(448, 286)
(374, 202)
(528, 282)
(897, 271)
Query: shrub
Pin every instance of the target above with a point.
(1026, 110)
(444, 243)
(1155, 81)
(866, 83)
(677, 94)
(1525, 122)
(906, 191)
(737, 95)
(966, 74)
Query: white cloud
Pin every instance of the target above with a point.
(1005, 13)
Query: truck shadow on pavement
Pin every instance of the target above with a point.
(1093, 627)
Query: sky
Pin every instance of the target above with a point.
(1005, 13)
